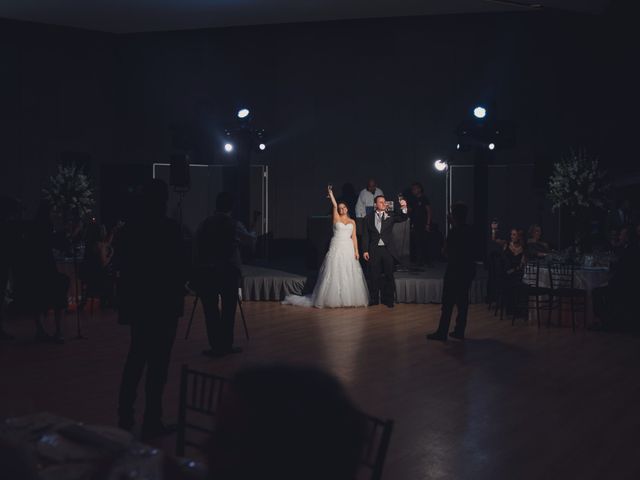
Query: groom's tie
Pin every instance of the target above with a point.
(379, 227)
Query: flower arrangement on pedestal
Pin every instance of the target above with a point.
(70, 193)
(577, 183)
(577, 186)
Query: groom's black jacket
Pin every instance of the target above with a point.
(371, 236)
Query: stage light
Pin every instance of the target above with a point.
(479, 112)
(492, 146)
(440, 165)
(262, 146)
(458, 147)
(228, 147)
(243, 113)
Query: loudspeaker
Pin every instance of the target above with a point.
(179, 171)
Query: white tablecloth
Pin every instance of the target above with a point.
(585, 278)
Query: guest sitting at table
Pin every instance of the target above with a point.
(286, 423)
(623, 242)
(39, 284)
(513, 257)
(536, 247)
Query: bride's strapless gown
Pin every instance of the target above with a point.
(341, 282)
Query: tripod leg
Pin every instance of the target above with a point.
(193, 311)
(244, 320)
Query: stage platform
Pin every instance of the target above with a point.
(261, 283)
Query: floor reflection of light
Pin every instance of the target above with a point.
(341, 335)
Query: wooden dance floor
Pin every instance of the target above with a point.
(508, 403)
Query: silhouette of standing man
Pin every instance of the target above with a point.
(460, 272)
(218, 273)
(152, 265)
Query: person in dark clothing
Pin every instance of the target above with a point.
(39, 286)
(96, 267)
(535, 246)
(377, 244)
(217, 274)
(152, 273)
(460, 273)
(286, 423)
(9, 232)
(420, 216)
(615, 304)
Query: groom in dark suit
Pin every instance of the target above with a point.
(377, 243)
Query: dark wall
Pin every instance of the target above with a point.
(56, 96)
(341, 101)
(346, 100)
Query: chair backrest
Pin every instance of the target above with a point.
(200, 396)
(561, 276)
(531, 275)
(375, 449)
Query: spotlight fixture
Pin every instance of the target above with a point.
(243, 113)
(492, 146)
(228, 147)
(262, 146)
(440, 165)
(479, 112)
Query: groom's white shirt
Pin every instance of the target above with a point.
(379, 217)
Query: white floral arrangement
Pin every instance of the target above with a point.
(69, 192)
(577, 182)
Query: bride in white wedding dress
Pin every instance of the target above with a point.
(341, 282)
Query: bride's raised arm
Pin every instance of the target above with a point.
(331, 197)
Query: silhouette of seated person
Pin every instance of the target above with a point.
(286, 423)
(39, 286)
(217, 273)
(152, 269)
(513, 259)
(622, 242)
(536, 247)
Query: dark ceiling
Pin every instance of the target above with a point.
(127, 16)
